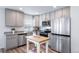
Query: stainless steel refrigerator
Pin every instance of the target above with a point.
(60, 38)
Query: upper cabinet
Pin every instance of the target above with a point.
(62, 12)
(10, 17)
(47, 16)
(37, 20)
(66, 11)
(58, 13)
(43, 17)
(14, 18)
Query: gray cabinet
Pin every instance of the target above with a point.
(10, 17)
(14, 18)
(11, 41)
(14, 40)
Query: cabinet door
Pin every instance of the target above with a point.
(37, 20)
(10, 17)
(66, 11)
(43, 17)
(20, 19)
(8, 42)
(47, 17)
(11, 41)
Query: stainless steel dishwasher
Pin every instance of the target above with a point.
(21, 39)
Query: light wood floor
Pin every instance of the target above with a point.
(23, 49)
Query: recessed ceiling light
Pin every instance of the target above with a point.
(54, 6)
(21, 8)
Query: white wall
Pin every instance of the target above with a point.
(75, 29)
(2, 27)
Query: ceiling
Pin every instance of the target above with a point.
(34, 10)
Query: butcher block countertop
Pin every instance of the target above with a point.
(38, 38)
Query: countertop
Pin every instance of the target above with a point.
(16, 33)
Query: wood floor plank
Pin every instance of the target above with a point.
(9, 51)
(18, 50)
(23, 49)
(13, 51)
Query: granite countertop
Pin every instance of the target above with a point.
(16, 33)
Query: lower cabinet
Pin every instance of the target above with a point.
(11, 41)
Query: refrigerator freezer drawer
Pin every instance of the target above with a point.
(64, 44)
(60, 43)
